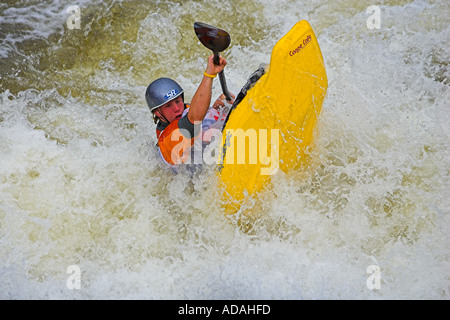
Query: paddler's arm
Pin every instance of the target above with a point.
(202, 97)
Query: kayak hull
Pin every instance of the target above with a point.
(273, 126)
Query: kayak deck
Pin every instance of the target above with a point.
(273, 125)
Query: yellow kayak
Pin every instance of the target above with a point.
(272, 127)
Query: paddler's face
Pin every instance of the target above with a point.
(172, 110)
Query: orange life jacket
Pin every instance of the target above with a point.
(174, 143)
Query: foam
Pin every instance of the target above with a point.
(81, 182)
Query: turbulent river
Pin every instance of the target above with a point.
(84, 195)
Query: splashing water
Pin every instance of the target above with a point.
(81, 182)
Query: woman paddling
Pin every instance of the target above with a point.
(178, 123)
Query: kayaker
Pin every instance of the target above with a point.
(178, 124)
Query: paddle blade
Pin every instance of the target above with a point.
(212, 37)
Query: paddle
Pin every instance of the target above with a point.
(216, 40)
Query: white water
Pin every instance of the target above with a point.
(81, 182)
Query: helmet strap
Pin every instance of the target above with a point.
(160, 116)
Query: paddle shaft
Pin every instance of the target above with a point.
(223, 82)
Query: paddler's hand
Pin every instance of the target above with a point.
(214, 69)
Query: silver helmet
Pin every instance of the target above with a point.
(162, 91)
